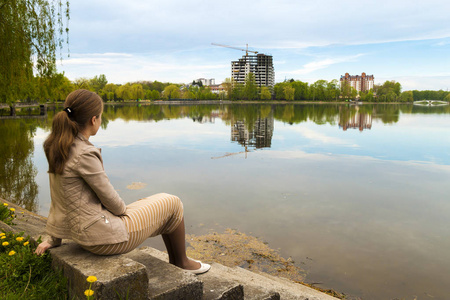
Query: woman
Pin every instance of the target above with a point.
(86, 208)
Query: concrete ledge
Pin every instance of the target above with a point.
(166, 281)
(118, 277)
(215, 286)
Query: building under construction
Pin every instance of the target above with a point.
(260, 65)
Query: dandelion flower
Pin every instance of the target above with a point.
(19, 239)
(12, 209)
(2, 233)
(11, 253)
(91, 279)
(5, 204)
(13, 216)
(3, 237)
(26, 243)
(5, 244)
(89, 293)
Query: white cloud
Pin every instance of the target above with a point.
(322, 64)
(171, 40)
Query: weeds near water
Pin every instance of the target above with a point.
(23, 274)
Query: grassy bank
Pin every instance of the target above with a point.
(23, 274)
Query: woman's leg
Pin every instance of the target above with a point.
(151, 216)
(176, 248)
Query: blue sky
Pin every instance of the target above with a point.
(170, 40)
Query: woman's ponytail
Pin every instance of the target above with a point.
(80, 107)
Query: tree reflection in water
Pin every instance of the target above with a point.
(251, 126)
(17, 171)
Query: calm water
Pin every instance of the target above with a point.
(357, 196)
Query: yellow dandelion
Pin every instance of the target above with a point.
(13, 216)
(5, 244)
(3, 237)
(5, 204)
(91, 279)
(89, 293)
(11, 253)
(2, 233)
(19, 239)
(12, 209)
(26, 243)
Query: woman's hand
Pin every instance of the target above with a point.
(42, 247)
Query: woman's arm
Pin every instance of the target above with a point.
(90, 167)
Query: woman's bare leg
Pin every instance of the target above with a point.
(176, 248)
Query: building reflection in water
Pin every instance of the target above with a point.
(355, 119)
(257, 135)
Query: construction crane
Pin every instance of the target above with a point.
(236, 48)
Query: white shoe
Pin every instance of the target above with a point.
(203, 268)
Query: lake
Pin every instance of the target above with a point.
(358, 196)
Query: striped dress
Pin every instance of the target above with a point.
(148, 217)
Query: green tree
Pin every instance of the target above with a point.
(237, 92)
(228, 86)
(30, 33)
(389, 91)
(333, 90)
(279, 90)
(265, 93)
(110, 90)
(171, 92)
(346, 90)
(407, 96)
(289, 92)
(155, 95)
(82, 83)
(250, 87)
(301, 90)
(319, 90)
(98, 83)
(137, 92)
(124, 92)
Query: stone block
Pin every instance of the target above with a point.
(118, 277)
(166, 281)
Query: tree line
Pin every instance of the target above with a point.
(57, 87)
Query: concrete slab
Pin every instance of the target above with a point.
(118, 277)
(165, 280)
(287, 289)
(252, 290)
(215, 286)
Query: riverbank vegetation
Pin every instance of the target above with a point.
(31, 32)
(23, 274)
(56, 88)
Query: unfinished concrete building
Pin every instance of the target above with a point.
(260, 65)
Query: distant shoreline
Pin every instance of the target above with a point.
(196, 102)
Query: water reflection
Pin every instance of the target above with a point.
(17, 171)
(355, 119)
(344, 199)
(259, 136)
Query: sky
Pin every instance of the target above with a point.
(170, 40)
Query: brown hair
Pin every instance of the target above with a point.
(80, 107)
